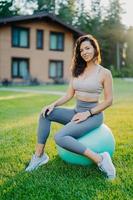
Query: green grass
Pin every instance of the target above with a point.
(58, 180)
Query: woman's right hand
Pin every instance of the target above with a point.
(47, 110)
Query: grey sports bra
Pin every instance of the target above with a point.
(89, 86)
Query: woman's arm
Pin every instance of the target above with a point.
(108, 93)
(67, 97)
(69, 94)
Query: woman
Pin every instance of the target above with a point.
(88, 80)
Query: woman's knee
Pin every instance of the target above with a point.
(42, 117)
(58, 138)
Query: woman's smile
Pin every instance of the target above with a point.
(87, 57)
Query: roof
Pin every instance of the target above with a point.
(41, 16)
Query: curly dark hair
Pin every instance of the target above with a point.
(78, 63)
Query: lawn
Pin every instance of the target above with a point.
(58, 180)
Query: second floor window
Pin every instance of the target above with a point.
(56, 41)
(39, 39)
(20, 37)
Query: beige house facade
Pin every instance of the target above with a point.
(38, 47)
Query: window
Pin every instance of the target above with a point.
(20, 37)
(39, 39)
(56, 41)
(56, 69)
(20, 68)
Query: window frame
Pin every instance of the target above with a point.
(42, 38)
(62, 70)
(63, 43)
(19, 59)
(19, 29)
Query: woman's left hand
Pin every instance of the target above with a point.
(79, 117)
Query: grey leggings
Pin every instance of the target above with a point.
(67, 136)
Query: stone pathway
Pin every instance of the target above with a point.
(32, 91)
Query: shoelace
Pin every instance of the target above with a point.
(33, 159)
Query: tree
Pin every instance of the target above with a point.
(67, 11)
(129, 50)
(4, 8)
(112, 35)
(96, 9)
(24, 7)
(96, 17)
(47, 5)
(17, 7)
(82, 18)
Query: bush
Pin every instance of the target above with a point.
(34, 81)
(126, 71)
(6, 82)
(58, 81)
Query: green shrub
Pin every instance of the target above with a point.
(126, 71)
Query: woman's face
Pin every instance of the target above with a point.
(87, 51)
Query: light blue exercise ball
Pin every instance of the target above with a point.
(98, 140)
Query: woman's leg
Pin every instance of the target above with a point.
(67, 136)
(61, 115)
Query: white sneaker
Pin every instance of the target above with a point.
(36, 162)
(107, 166)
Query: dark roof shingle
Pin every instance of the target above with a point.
(40, 15)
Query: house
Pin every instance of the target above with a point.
(36, 46)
